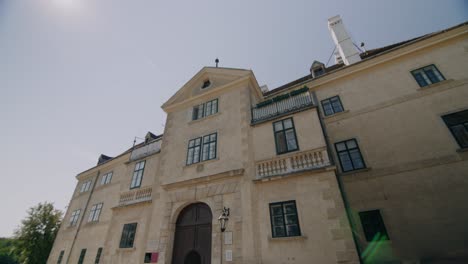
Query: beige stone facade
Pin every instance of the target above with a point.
(414, 173)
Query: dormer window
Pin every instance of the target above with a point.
(317, 69)
(206, 84)
(318, 72)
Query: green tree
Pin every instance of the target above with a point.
(37, 232)
(6, 251)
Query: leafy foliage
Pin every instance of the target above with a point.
(6, 251)
(36, 235)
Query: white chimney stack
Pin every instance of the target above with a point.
(349, 54)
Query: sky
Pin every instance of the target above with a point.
(83, 77)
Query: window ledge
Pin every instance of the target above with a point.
(441, 83)
(335, 114)
(462, 150)
(201, 163)
(291, 238)
(355, 171)
(126, 249)
(203, 118)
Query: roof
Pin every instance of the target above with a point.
(367, 55)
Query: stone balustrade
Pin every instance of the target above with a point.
(136, 196)
(294, 162)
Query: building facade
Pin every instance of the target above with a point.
(364, 161)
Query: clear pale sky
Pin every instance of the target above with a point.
(83, 77)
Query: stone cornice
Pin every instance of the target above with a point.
(204, 179)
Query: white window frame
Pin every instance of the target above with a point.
(95, 212)
(106, 178)
(74, 217)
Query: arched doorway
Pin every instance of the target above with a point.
(192, 241)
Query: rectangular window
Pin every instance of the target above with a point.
(427, 75)
(202, 148)
(284, 220)
(128, 235)
(209, 147)
(95, 212)
(85, 186)
(458, 125)
(59, 261)
(98, 256)
(82, 256)
(138, 175)
(193, 152)
(350, 156)
(332, 105)
(106, 178)
(74, 217)
(373, 225)
(285, 136)
(205, 109)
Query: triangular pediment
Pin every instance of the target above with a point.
(205, 81)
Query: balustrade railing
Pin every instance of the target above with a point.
(136, 196)
(285, 105)
(306, 160)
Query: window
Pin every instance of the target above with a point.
(74, 217)
(206, 84)
(285, 136)
(207, 152)
(318, 72)
(458, 125)
(284, 220)
(82, 256)
(209, 147)
(373, 226)
(106, 178)
(137, 175)
(85, 186)
(128, 235)
(427, 75)
(98, 256)
(349, 155)
(205, 109)
(332, 105)
(59, 261)
(95, 212)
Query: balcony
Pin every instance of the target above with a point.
(282, 105)
(295, 162)
(136, 196)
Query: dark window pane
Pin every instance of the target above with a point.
(291, 140)
(327, 108)
(356, 159)
(373, 226)
(279, 231)
(420, 79)
(336, 104)
(278, 221)
(431, 75)
(292, 230)
(276, 210)
(291, 219)
(345, 161)
(281, 142)
(289, 208)
(461, 134)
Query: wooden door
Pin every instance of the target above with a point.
(192, 242)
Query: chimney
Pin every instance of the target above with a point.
(264, 88)
(344, 44)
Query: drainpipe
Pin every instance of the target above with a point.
(338, 178)
(82, 217)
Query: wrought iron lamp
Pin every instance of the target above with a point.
(223, 218)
